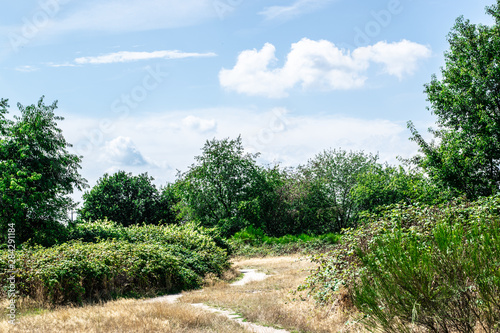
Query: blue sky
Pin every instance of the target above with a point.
(143, 84)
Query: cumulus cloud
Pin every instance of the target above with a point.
(318, 64)
(200, 124)
(399, 59)
(293, 10)
(122, 151)
(127, 56)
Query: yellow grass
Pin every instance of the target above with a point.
(268, 302)
(124, 316)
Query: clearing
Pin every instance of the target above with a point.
(263, 303)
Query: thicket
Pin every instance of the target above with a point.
(105, 261)
(252, 242)
(434, 267)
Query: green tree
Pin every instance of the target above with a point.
(383, 185)
(126, 199)
(466, 101)
(37, 173)
(222, 187)
(335, 175)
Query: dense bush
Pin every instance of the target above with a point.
(199, 248)
(254, 242)
(436, 267)
(110, 260)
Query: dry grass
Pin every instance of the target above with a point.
(124, 316)
(269, 302)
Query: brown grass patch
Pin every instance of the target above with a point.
(124, 316)
(270, 302)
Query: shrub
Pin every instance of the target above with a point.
(253, 242)
(193, 244)
(435, 267)
(104, 261)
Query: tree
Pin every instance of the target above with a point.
(37, 173)
(222, 187)
(382, 185)
(335, 174)
(466, 101)
(126, 199)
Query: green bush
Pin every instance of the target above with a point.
(433, 267)
(198, 247)
(75, 272)
(104, 261)
(254, 242)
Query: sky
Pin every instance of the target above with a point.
(143, 85)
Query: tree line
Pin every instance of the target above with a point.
(226, 188)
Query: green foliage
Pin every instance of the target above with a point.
(222, 188)
(434, 267)
(334, 174)
(192, 243)
(252, 242)
(466, 103)
(106, 260)
(126, 199)
(382, 185)
(37, 174)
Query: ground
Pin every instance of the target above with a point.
(269, 302)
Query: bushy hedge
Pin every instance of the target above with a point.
(108, 261)
(200, 248)
(433, 267)
(252, 242)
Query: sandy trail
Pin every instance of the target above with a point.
(249, 275)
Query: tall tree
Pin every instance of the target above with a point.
(37, 174)
(466, 100)
(222, 187)
(126, 199)
(335, 173)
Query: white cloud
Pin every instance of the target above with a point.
(53, 18)
(399, 59)
(132, 15)
(317, 64)
(26, 69)
(295, 9)
(127, 56)
(200, 124)
(122, 151)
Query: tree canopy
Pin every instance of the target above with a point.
(37, 173)
(466, 100)
(127, 200)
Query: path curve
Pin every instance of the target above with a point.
(249, 275)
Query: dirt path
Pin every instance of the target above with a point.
(249, 275)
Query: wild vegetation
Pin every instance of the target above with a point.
(414, 247)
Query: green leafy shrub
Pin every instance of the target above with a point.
(105, 260)
(193, 244)
(433, 267)
(254, 242)
(76, 271)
